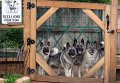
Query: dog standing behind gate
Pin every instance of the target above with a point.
(44, 52)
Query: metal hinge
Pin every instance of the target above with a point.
(30, 41)
(30, 71)
(30, 5)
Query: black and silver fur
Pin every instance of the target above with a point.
(54, 59)
(68, 58)
(92, 56)
(79, 56)
(44, 52)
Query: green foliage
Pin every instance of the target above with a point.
(118, 79)
(11, 38)
(10, 78)
(119, 1)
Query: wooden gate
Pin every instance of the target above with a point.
(108, 26)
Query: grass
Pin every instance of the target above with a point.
(118, 79)
(10, 78)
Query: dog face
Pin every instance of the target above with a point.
(79, 46)
(79, 49)
(70, 50)
(45, 48)
(54, 58)
(91, 48)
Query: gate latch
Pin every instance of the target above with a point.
(30, 5)
(108, 23)
(30, 41)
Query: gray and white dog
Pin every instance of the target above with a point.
(54, 59)
(67, 59)
(44, 52)
(92, 55)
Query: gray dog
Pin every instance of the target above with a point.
(92, 55)
(67, 59)
(79, 56)
(44, 52)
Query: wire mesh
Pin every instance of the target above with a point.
(67, 24)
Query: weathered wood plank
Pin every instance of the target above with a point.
(118, 66)
(33, 37)
(118, 82)
(118, 30)
(107, 49)
(44, 65)
(94, 18)
(64, 79)
(12, 26)
(49, 13)
(94, 68)
(23, 80)
(1, 80)
(26, 34)
(113, 44)
(9, 59)
(66, 4)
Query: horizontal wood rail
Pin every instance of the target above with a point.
(23, 80)
(118, 30)
(1, 80)
(66, 4)
(118, 82)
(118, 66)
(67, 79)
(12, 26)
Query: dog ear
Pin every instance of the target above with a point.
(48, 43)
(95, 43)
(87, 44)
(74, 42)
(51, 51)
(82, 41)
(67, 45)
(41, 44)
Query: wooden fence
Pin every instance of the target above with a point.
(30, 26)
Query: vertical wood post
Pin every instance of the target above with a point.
(113, 45)
(107, 48)
(26, 34)
(33, 36)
